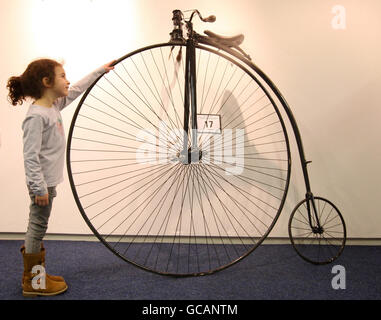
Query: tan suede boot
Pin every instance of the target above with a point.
(43, 252)
(35, 281)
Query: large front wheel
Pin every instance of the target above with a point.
(133, 183)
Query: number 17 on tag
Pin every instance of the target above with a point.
(208, 123)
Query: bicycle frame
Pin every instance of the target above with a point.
(190, 101)
(177, 217)
(190, 104)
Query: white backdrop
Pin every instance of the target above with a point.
(324, 56)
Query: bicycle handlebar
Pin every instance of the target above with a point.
(178, 14)
(178, 22)
(211, 18)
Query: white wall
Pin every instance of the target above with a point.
(331, 79)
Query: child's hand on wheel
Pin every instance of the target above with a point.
(108, 67)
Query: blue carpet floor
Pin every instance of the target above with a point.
(271, 272)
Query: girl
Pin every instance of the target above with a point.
(44, 81)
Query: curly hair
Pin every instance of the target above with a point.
(30, 84)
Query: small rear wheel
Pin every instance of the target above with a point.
(317, 245)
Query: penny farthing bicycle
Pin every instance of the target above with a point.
(179, 159)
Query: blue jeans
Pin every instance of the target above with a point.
(38, 222)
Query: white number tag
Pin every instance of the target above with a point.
(208, 123)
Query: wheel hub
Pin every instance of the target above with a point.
(318, 230)
(190, 156)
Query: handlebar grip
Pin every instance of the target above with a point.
(211, 18)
